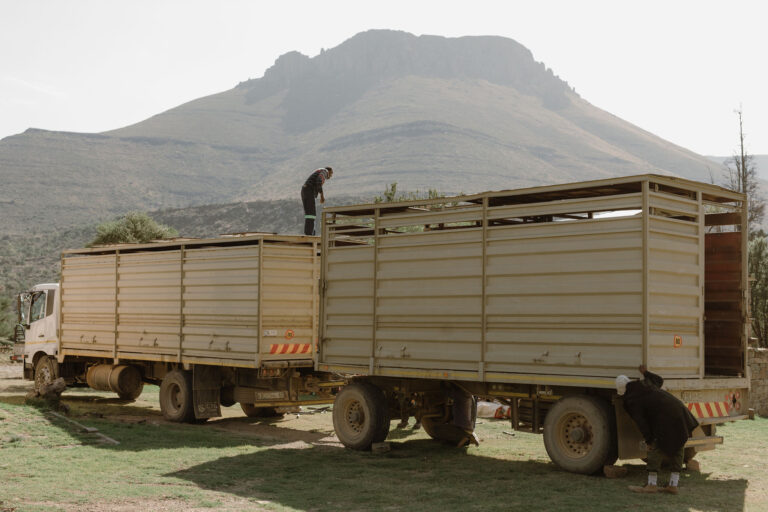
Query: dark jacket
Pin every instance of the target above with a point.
(662, 419)
(314, 183)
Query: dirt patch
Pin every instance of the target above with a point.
(11, 371)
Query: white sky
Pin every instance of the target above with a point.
(677, 68)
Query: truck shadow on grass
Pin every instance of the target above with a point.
(424, 475)
(138, 428)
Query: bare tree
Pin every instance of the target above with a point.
(741, 176)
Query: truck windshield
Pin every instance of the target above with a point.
(24, 301)
(37, 310)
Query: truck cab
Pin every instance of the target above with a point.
(37, 329)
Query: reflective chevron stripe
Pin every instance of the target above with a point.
(709, 409)
(290, 348)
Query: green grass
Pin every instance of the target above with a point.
(294, 464)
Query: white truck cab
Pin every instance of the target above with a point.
(38, 311)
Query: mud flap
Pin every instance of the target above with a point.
(206, 389)
(629, 436)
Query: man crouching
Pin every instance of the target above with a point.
(665, 423)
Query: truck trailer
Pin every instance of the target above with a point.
(212, 321)
(538, 298)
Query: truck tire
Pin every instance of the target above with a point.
(577, 434)
(252, 411)
(176, 397)
(360, 416)
(447, 432)
(46, 371)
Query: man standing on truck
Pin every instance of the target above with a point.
(665, 423)
(309, 191)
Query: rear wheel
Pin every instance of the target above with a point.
(447, 431)
(360, 416)
(252, 411)
(46, 371)
(176, 397)
(577, 434)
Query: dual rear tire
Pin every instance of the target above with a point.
(360, 415)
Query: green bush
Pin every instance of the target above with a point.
(135, 227)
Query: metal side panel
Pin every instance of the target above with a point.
(221, 303)
(288, 307)
(348, 306)
(565, 299)
(149, 294)
(675, 289)
(88, 304)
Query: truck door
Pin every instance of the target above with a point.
(41, 334)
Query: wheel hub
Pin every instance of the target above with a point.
(576, 435)
(355, 416)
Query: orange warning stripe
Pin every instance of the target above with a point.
(290, 348)
(709, 409)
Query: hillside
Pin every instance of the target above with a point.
(459, 114)
(32, 259)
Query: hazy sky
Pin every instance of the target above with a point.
(675, 68)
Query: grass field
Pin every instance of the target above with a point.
(237, 463)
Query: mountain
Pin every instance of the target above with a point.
(455, 114)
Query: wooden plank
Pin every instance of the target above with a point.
(723, 219)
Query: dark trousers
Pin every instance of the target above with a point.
(656, 457)
(308, 200)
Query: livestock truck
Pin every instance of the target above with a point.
(538, 298)
(213, 322)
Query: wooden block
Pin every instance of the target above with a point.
(380, 447)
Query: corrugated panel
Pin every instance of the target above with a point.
(288, 302)
(149, 294)
(88, 303)
(348, 305)
(538, 278)
(206, 306)
(675, 303)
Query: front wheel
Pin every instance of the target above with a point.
(46, 371)
(577, 434)
(360, 415)
(176, 397)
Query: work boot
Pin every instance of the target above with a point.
(670, 489)
(417, 425)
(646, 489)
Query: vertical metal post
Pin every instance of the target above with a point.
(484, 319)
(313, 339)
(324, 248)
(374, 319)
(181, 302)
(260, 313)
(646, 257)
(60, 327)
(702, 280)
(115, 359)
